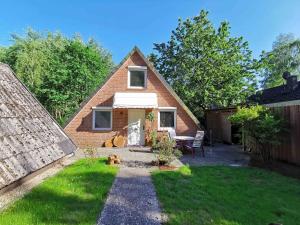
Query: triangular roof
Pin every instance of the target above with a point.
(29, 137)
(158, 75)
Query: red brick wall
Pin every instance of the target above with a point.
(80, 128)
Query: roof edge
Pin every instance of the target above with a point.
(88, 98)
(158, 75)
(169, 88)
(51, 117)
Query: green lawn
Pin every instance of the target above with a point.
(228, 196)
(76, 195)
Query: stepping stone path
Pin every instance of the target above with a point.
(132, 199)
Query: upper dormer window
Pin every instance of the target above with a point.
(137, 77)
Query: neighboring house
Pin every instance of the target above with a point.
(29, 138)
(285, 100)
(121, 104)
(284, 95)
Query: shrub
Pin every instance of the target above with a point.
(166, 151)
(261, 127)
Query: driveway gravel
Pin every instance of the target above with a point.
(132, 199)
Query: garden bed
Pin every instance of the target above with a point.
(76, 195)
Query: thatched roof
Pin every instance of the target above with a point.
(29, 138)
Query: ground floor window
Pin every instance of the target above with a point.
(167, 118)
(102, 118)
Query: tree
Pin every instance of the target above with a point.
(2, 53)
(284, 56)
(28, 58)
(60, 71)
(206, 66)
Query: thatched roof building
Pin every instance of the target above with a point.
(29, 138)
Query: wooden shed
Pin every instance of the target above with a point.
(219, 127)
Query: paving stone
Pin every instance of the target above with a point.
(219, 154)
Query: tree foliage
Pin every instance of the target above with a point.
(284, 56)
(206, 66)
(60, 71)
(2, 53)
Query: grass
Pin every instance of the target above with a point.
(76, 195)
(227, 196)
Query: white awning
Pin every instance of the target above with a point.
(135, 100)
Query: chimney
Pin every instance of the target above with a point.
(291, 81)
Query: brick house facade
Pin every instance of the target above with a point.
(104, 114)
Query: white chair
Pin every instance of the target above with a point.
(172, 133)
(197, 143)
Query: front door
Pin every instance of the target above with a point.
(136, 123)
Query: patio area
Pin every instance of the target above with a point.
(219, 154)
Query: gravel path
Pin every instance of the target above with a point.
(132, 199)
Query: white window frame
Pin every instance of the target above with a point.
(106, 109)
(167, 109)
(137, 68)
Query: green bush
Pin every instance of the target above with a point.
(166, 151)
(261, 128)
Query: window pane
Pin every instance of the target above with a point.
(167, 119)
(102, 119)
(137, 78)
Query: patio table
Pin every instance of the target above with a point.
(184, 138)
(181, 141)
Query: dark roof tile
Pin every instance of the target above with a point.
(276, 94)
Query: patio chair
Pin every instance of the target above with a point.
(172, 133)
(197, 144)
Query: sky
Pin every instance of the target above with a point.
(119, 25)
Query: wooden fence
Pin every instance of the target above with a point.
(287, 151)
